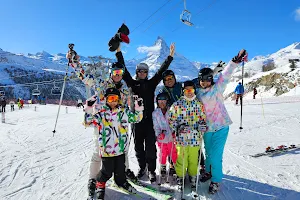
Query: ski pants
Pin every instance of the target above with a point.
(3, 109)
(113, 165)
(214, 143)
(238, 96)
(12, 107)
(95, 163)
(144, 140)
(187, 160)
(167, 150)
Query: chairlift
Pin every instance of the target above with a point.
(55, 90)
(36, 92)
(2, 93)
(185, 16)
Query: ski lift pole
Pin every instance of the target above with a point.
(241, 121)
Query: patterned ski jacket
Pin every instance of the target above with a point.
(188, 113)
(161, 124)
(212, 98)
(112, 126)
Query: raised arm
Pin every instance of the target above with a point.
(126, 76)
(165, 65)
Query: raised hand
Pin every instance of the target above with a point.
(172, 49)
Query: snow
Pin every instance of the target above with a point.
(36, 165)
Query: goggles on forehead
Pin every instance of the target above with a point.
(206, 78)
(142, 71)
(162, 98)
(186, 91)
(118, 72)
(169, 78)
(112, 98)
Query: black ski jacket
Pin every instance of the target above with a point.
(145, 88)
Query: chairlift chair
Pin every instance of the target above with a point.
(55, 90)
(185, 16)
(36, 92)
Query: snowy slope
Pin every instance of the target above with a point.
(34, 165)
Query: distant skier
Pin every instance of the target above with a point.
(254, 93)
(111, 122)
(2, 103)
(12, 105)
(164, 134)
(239, 91)
(187, 118)
(210, 92)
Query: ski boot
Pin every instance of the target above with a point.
(163, 171)
(126, 186)
(193, 180)
(91, 188)
(100, 190)
(179, 183)
(141, 173)
(206, 177)
(152, 176)
(202, 170)
(130, 175)
(213, 188)
(172, 170)
(269, 149)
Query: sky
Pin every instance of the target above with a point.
(221, 27)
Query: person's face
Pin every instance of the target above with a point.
(189, 91)
(112, 101)
(169, 81)
(162, 104)
(205, 84)
(142, 73)
(117, 75)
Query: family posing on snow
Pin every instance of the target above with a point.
(186, 113)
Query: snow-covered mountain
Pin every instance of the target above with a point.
(267, 83)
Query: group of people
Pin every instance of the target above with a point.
(3, 103)
(186, 113)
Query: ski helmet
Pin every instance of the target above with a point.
(117, 65)
(142, 66)
(167, 73)
(110, 91)
(206, 74)
(162, 96)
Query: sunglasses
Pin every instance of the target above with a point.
(112, 98)
(169, 78)
(118, 72)
(142, 71)
(187, 91)
(162, 99)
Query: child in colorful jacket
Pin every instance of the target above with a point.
(112, 122)
(187, 119)
(218, 120)
(164, 134)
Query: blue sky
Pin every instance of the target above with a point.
(260, 26)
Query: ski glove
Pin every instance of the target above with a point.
(90, 103)
(138, 104)
(202, 127)
(183, 129)
(220, 66)
(242, 56)
(161, 136)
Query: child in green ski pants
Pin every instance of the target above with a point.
(187, 119)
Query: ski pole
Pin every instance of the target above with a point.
(171, 154)
(241, 121)
(64, 84)
(198, 171)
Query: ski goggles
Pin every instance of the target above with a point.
(169, 78)
(162, 98)
(187, 91)
(208, 78)
(112, 98)
(142, 71)
(118, 72)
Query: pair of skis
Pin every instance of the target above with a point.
(278, 150)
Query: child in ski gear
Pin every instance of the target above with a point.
(112, 122)
(239, 91)
(187, 118)
(144, 132)
(100, 80)
(210, 93)
(163, 132)
(254, 93)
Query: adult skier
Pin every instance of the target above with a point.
(144, 133)
(217, 118)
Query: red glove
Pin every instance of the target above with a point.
(161, 136)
